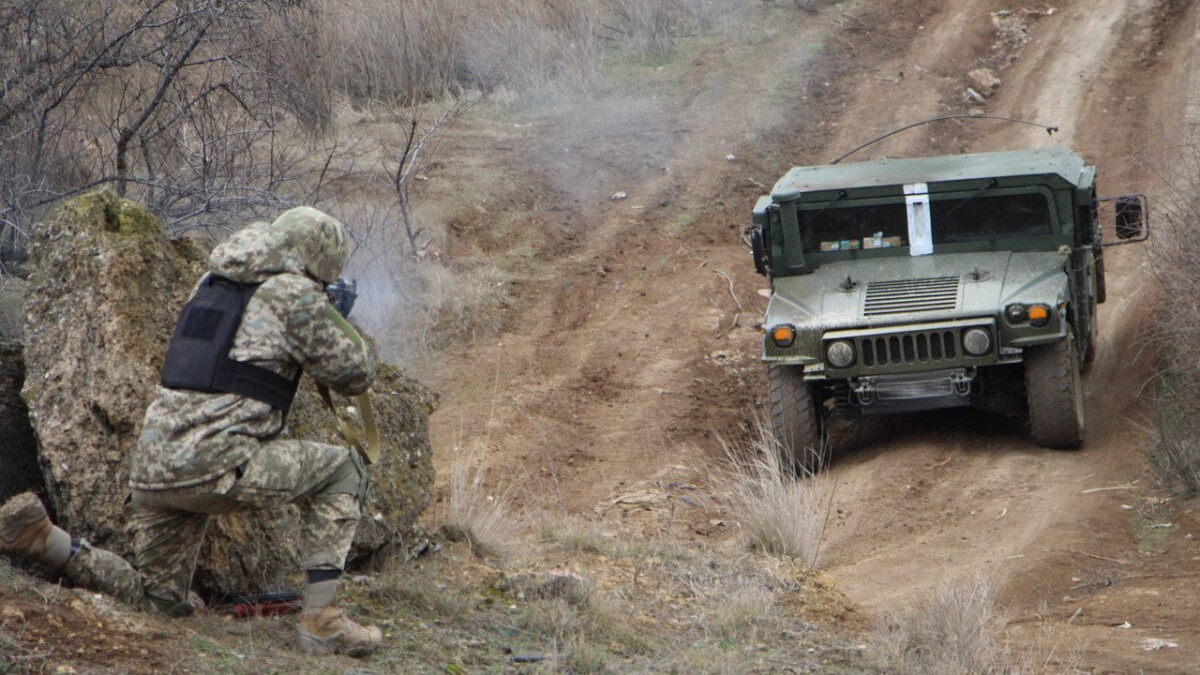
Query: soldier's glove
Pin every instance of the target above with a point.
(342, 295)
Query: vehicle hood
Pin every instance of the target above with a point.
(986, 283)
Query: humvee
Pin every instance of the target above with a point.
(917, 284)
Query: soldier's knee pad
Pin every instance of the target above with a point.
(350, 478)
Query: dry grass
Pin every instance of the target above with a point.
(781, 514)
(574, 534)
(955, 629)
(420, 49)
(740, 609)
(482, 515)
(650, 28)
(1175, 264)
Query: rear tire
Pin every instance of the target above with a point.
(796, 420)
(1054, 394)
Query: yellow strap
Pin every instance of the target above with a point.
(370, 450)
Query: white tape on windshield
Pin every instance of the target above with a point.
(920, 232)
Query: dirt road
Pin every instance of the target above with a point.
(635, 348)
(937, 498)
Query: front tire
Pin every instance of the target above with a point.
(1054, 394)
(796, 420)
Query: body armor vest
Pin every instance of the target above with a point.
(198, 355)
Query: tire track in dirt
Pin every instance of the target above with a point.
(605, 372)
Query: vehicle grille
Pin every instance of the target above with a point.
(911, 295)
(908, 348)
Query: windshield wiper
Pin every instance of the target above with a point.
(986, 186)
(812, 220)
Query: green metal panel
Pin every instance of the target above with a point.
(819, 303)
(1065, 166)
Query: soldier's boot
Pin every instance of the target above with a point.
(325, 629)
(26, 530)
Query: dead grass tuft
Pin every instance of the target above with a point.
(573, 533)
(741, 608)
(481, 515)
(955, 629)
(781, 514)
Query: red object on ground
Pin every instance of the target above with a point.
(267, 604)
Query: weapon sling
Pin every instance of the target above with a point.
(368, 450)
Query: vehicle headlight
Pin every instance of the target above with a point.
(977, 341)
(1017, 313)
(783, 336)
(840, 354)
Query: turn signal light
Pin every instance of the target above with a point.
(783, 336)
(1039, 315)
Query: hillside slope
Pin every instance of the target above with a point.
(633, 352)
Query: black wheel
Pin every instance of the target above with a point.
(796, 419)
(1054, 394)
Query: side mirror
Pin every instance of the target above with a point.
(1131, 217)
(758, 248)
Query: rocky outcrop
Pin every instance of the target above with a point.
(105, 292)
(105, 287)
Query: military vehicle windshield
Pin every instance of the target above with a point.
(978, 217)
(855, 227)
(990, 217)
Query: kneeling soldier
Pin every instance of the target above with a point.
(256, 321)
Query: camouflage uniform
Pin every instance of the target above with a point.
(202, 454)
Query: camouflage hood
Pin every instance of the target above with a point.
(301, 241)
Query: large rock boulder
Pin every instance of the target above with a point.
(105, 287)
(105, 292)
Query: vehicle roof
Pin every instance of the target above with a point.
(801, 179)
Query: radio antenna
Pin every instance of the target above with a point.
(975, 116)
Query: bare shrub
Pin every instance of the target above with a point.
(1175, 264)
(782, 514)
(420, 49)
(182, 106)
(425, 49)
(954, 630)
(536, 45)
(649, 28)
(484, 518)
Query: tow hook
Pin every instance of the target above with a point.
(864, 391)
(961, 381)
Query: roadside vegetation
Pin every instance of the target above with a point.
(957, 627)
(1175, 263)
(781, 514)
